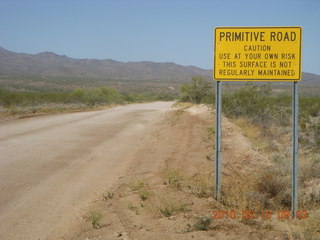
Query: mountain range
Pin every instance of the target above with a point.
(48, 64)
(53, 65)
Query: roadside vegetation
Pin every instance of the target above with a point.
(264, 116)
(270, 114)
(180, 201)
(29, 102)
(200, 90)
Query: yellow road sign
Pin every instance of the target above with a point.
(257, 54)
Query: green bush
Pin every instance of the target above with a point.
(258, 104)
(198, 91)
(95, 219)
(90, 97)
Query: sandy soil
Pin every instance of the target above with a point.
(52, 167)
(183, 143)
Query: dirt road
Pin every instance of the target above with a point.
(52, 167)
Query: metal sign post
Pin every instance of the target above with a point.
(295, 111)
(218, 141)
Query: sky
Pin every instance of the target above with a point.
(179, 31)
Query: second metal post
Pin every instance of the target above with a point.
(295, 111)
(218, 141)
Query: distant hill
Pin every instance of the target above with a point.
(310, 78)
(48, 64)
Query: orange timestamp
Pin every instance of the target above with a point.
(265, 214)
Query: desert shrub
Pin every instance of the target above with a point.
(209, 98)
(90, 97)
(272, 182)
(147, 97)
(310, 168)
(310, 135)
(102, 95)
(258, 104)
(12, 99)
(275, 184)
(266, 188)
(309, 106)
(199, 90)
(239, 191)
(266, 109)
(78, 95)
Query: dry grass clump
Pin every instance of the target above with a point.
(173, 178)
(168, 206)
(144, 194)
(203, 223)
(136, 185)
(95, 218)
(108, 195)
(249, 130)
(133, 208)
(270, 187)
(310, 168)
(141, 188)
(201, 186)
(239, 191)
(267, 188)
(275, 185)
(261, 139)
(306, 229)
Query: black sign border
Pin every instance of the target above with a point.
(253, 79)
